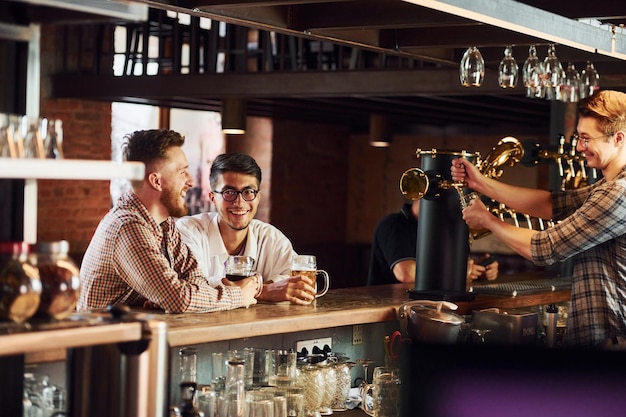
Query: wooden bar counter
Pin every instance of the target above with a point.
(339, 307)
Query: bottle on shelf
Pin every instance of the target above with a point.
(188, 385)
(233, 400)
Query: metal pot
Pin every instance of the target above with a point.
(425, 321)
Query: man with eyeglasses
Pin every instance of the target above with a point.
(235, 180)
(136, 256)
(590, 223)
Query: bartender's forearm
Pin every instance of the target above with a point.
(517, 238)
(536, 203)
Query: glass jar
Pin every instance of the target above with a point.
(329, 376)
(20, 286)
(59, 278)
(343, 383)
(311, 380)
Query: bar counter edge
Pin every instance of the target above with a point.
(339, 307)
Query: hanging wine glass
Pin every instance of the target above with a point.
(569, 91)
(533, 75)
(554, 74)
(589, 81)
(508, 70)
(472, 68)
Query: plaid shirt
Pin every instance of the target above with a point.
(132, 259)
(593, 229)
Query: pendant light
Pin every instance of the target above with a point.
(380, 135)
(234, 113)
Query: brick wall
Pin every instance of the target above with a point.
(70, 210)
(257, 142)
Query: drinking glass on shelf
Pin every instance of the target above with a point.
(365, 363)
(31, 135)
(472, 68)
(570, 89)
(589, 81)
(508, 71)
(7, 144)
(18, 127)
(218, 376)
(51, 131)
(533, 74)
(554, 74)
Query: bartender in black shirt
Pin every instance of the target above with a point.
(394, 246)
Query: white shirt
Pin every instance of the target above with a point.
(269, 247)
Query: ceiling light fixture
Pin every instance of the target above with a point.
(380, 134)
(234, 113)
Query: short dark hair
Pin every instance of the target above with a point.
(148, 146)
(234, 162)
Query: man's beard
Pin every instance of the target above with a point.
(171, 202)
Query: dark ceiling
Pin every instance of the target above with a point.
(433, 33)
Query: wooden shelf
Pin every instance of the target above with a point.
(69, 169)
(36, 341)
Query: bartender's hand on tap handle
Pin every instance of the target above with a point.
(477, 216)
(466, 172)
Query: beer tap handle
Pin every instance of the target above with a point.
(583, 168)
(560, 153)
(542, 227)
(572, 156)
(581, 160)
(529, 222)
(513, 215)
(501, 211)
(570, 163)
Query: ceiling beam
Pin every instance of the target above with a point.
(522, 18)
(440, 81)
(285, 84)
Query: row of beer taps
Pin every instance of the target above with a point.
(571, 165)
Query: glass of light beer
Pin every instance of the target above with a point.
(307, 265)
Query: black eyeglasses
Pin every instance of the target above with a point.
(230, 195)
